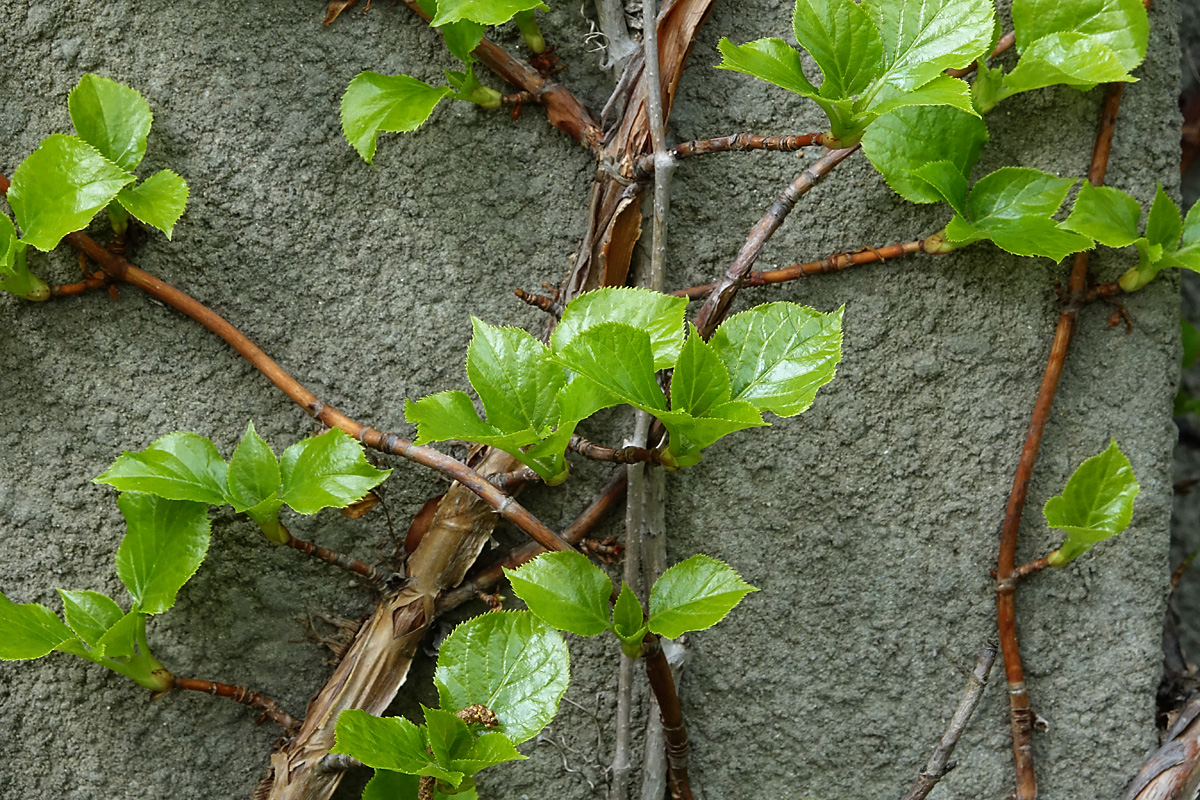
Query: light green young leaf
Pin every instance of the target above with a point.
(773, 60)
(59, 187)
(376, 103)
(1096, 504)
(1191, 227)
(628, 620)
(111, 117)
(29, 630)
(266, 514)
(1164, 225)
(923, 38)
(514, 378)
(510, 662)
(90, 614)
(690, 435)
(485, 751)
(911, 137)
(618, 358)
(120, 639)
(391, 743)
(178, 466)
(164, 543)
(1121, 25)
(461, 37)
(253, 474)
(485, 12)
(693, 595)
(326, 471)
(456, 750)
(1105, 214)
(1067, 57)
(15, 276)
(388, 785)
(700, 382)
(941, 91)
(158, 201)
(659, 315)
(779, 354)
(565, 590)
(946, 181)
(843, 40)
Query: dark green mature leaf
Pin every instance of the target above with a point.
(178, 466)
(59, 187)
(1105, 214)
(391, 743)
(164, 543)
(485, 12)
(565, 590)
(253, 474)
(457, 750)
(29, 630)
(376, 103)
(1096, 504)
(90, 614)
(659, 315)
(619, 359)
(693, 595)
(1121, 25)
(510, 662)
(158, 201)
(111, 117)
(388, 785)
(779, 354)
(326, 471)
(910, 137)
(946, 181)
(514, 377)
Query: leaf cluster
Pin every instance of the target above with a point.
(60, 186)
(508, 662)
(569, 592)
(1096, 504)
(607, 351)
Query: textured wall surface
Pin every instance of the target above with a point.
(869, 523)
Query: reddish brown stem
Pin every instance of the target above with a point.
(584, 524)
(72, 289)
(548, 304)
(738, 142)
(1103, 290)
(117, 268)
(563, 109)
(519, 99)
(614, 455)
(721, 298)
(833, 263)
(1006, 42)
(372, 574)
(662, 683)
(240, 694)
(1021, 715)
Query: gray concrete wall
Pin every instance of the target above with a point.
(869, 523)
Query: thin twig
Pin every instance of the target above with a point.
(338, 762)
(1020, 711)
(97, 281)
(717, 305)
(738, 142)
(548, 304)
(939, 763)
(833, 263)
(240, 694)
(630, 454)
(373, 574)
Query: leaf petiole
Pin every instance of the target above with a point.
(530, 31)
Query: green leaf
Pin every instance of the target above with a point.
(946, 181)
(178, 466)
(1107, 215)
(90, 614)
(700, 382)
(659, 315)
(773, 60)
(908, 138)
(376, 103)
(923, 38)
(389, 785)
(15, 276)
(693, 595)
(461, 37)
(111, 117)
(779, 354)
(486, 751)
(843, 40)
(391, 743)
(266, 514)
(158, 201)
(1191, 342)
(253, 472)
(164, 543)
(1191, 227)
(1068, 57)
(1096, 503)
(485, 12)
(514, 378)
(690, 435)
(326, 471)
(628, 617)
(29, 630)
(119, 640)
(618, 358)
(1164, 226)
(510, 662)
(941, 91)
(1121, 25)
(456, 750)
(565, 590)
(59, 187)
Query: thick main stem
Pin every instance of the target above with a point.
(1020, 713)
(662, 683)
